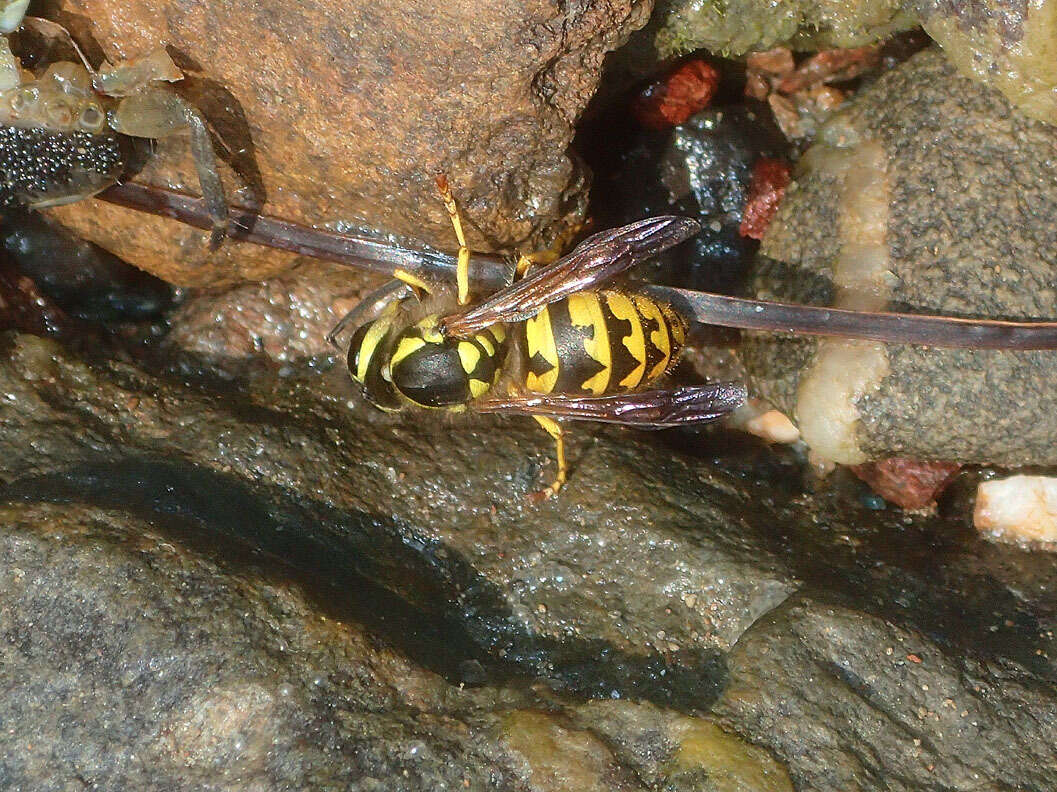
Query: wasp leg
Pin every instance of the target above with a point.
(462, 271)
(369, 308)
(554, 429)
(523, 264)
(418, 285)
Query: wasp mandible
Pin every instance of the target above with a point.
(555, 344)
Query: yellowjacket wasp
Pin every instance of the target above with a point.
(567, 348)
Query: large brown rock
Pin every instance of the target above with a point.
(348, 110)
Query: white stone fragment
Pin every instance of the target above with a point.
(774, 427)
(1018, 509)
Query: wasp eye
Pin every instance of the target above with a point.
(355, 344)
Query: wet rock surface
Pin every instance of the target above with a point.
(341, 115)
(968, 210)
(702, 168)
(257, 580)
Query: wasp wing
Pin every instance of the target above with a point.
(653, 409)
(597, 259)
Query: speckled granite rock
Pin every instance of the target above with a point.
(967, 206)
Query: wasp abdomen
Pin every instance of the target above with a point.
(597, 343)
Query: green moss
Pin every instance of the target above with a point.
(734, 27)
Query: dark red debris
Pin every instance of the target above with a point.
(686, 90)
(770, 177)
(908, 483)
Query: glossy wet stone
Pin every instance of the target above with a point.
(256, 579)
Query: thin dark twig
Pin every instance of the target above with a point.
(892, 328)
(362, 252)
(379, 256)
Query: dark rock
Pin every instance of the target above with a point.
(257, 581)
(887, 708)
(391, 498)
(702, 168)
(82, 278)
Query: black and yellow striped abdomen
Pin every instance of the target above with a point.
(597, 343)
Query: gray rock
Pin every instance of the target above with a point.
(969, 229)
(129, 662)
(887, 708)
(255, 582)
(596, 582)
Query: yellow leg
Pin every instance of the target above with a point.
(554, 429)
(462, 271)
(419, 286)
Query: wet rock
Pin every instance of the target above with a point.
(283, 319)
(396, 489)
(887, 708)
(736, 28)
(132, 662)
(23, 307)
(1002, 43)
(909, 483)
(928, 194)
(677, 753)
(343, 115)
(259, 580)
(80, 277)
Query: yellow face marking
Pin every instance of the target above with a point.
(429, 329)
(539, 338)
(374, 335)
(659, 337)
(485, 340)
(585, 310)
(407, 346)
(623, 308)
(477, 387)
(469, 356)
